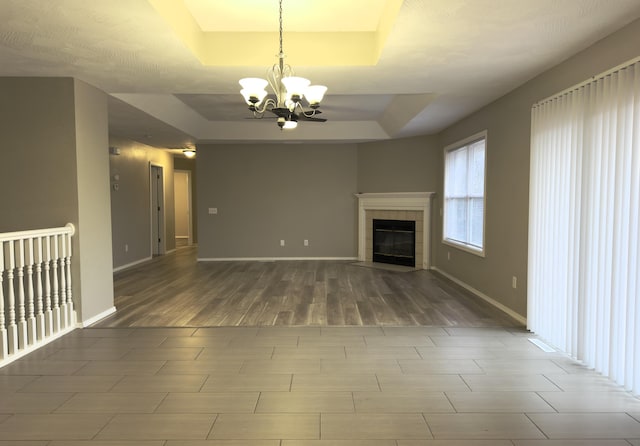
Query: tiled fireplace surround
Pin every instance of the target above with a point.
(411, 206)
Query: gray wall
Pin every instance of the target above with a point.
(400, 165)
(54, 170)
(265, 193)
(130, 204)
(182, 163)
(93, 235)
(37, 157)
(508, 123)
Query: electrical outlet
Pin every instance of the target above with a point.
(213, 211)
(281, 242)
(448, 255)
(306, 243)
(514, 282)
(126, 247)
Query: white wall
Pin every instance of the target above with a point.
(181, 199)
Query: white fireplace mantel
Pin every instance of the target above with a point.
(396, 201)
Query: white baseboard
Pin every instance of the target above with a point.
(97, 317)
(182, 236)
(270, 259)
(520, 318)
(170, 251)
(132, 264)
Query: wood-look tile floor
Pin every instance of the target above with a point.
(308, 386)
(175, 290)
(469, 378)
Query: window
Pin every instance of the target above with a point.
(464, 172)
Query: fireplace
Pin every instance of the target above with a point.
(394, 241)
(410, 206)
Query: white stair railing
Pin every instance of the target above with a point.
(39, 262)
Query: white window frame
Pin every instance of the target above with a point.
(455, 243)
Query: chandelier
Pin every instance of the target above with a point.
(289, 91)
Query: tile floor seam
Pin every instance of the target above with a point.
(215, 419)
(164, 364)
(255, 407)
(203, 384)
(199, 353)
(166, 395)
(424, 417)
(475, 361)
(537, 427)
(73, 395)
(113, 416)
(545, 400)
(465, 382)
(122, 377)
(544, 375)
(455, 409)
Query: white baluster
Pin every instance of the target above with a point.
(48, 319)
(63, 282)
(22, 321)
(12, 328)
(4, 348)
(31, 320)
(72, 313)
(56, 288)
(40, 325)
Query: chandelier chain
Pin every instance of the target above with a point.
(281, 52)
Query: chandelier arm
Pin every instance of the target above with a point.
(259, 111)
(308, 114)
(298, 107)
(274, 76)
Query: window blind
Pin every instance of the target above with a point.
(584, 211)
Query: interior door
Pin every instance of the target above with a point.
(157, 210)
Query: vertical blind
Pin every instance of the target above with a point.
(584, 211)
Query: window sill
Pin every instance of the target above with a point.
(466, 248)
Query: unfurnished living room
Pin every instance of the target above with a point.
(320, 223)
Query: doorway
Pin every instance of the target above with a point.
(183, 213)
(157, 210)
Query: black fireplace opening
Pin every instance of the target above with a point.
(394, 241)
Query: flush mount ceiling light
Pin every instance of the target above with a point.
(289, 91)
(189, 153)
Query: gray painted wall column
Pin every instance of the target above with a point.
(54, 169)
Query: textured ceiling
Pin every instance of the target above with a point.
(442, 60)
